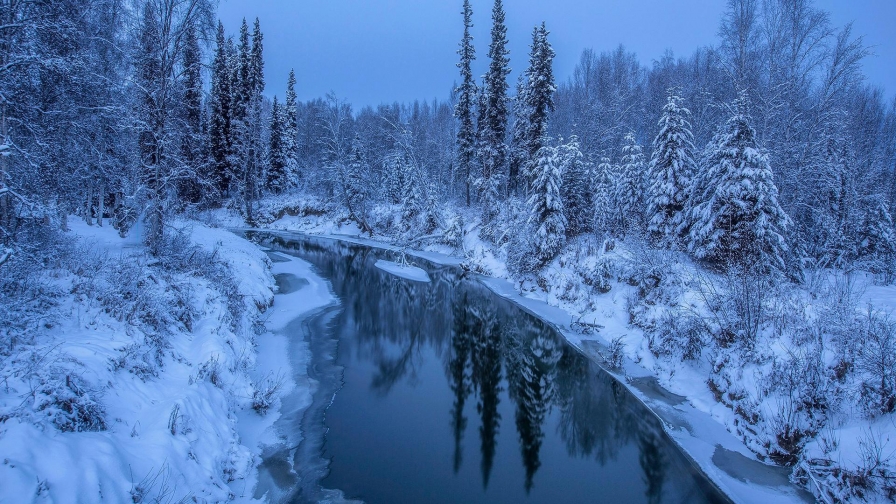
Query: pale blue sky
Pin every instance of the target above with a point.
(376, 51)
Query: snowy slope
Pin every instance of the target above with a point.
(87, 417)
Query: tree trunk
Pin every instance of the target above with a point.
(101, 204)
(88, 213)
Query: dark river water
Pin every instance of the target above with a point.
(444, 392)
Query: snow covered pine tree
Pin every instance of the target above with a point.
(738, 219)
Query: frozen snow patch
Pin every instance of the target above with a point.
(409, 272)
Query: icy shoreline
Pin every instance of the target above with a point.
(285, 352)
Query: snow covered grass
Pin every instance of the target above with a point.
(122, 380)
(802, 374)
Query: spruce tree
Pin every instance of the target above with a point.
(256, 65)
(669, 173)
(430, 209)
(291, 130)
(493, 151)
(412, 198)
(546, 205)
(539, 95)
(604, 197)
(738, 219)
(190, 186)
(220, 135)
(629, 188)
(354, 185)
(576, 189)
(152, 114)
(254, 86)
(877, 239)
(519, 145)
(395, 177)
(276, 169)
(242, 92)
(467, 95)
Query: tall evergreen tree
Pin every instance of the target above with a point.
(256, 65)
(738, 219)
(254, 86)
(246, 156)
(493, 151)
(466, 100)
(190, 187)
(629, 188)
(276, 179)
(670, 172)
(242, 83)
(604, 197)
(539, 94)
(519, 146)
(354, 185)
(577, 188)
(546, 205)
(395, 176)
(220, 135)
(151, 114)
(291, 129)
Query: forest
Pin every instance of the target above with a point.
(742, 196)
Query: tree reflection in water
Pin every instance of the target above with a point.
(490, 348)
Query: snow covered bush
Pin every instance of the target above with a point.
(616, 354)
(453, 234)
(678, 333)
(211, 372)
(736, 305)
(654, 273)
(29, 291)
(67, 401)
(876, 363)
(805, 393)
(263, 393)
(596, 272)
(521, 257)
(871, 477)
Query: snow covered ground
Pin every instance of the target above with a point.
(148, 381)
(594, 292)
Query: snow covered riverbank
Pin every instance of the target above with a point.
(284, 356)
(135, 381)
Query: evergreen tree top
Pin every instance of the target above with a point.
(257, 56)
(498, 48)
(467, 50)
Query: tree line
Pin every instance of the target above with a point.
(768, 148)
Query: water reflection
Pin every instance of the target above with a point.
(497, 362)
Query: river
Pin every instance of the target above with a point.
(442, 391)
